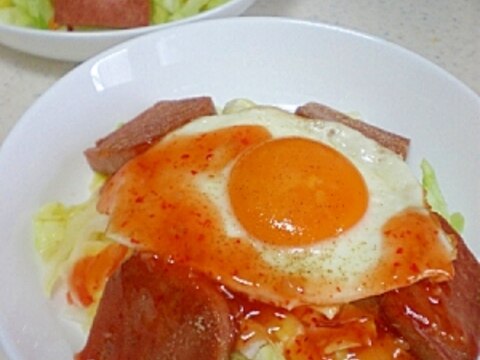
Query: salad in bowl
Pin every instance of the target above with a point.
(76, 30)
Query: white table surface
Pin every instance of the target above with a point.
(445, 32)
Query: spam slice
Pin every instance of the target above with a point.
(136, 136)
(152, 309)
(102, 13)
(394, 142)
(440, 320)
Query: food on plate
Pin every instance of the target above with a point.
(221, 182)
(102, 13)
(312, 231)
(152, 310)
(92, 14)
(394, 142)
(131, 139)
(439, 320)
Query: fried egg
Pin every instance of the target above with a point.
(288, 210)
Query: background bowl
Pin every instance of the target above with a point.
(78, 46)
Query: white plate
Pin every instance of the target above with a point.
(78, 46)
(276, 61)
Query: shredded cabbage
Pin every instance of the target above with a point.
(39, 13)
(63, 234)
(31, 13)
(435, 197)
(237, 356)
(268, 351)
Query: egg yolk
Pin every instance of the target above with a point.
(154, 201)
(295, 191)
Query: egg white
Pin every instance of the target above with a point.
(339, 262)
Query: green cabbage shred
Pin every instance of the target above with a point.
(63, 234)
(30, 13)
(435, 197)
(268, 351)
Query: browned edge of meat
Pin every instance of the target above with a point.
(102, 13)
(394, 142)
(440, 321)
(152, 309)
(137, 135)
